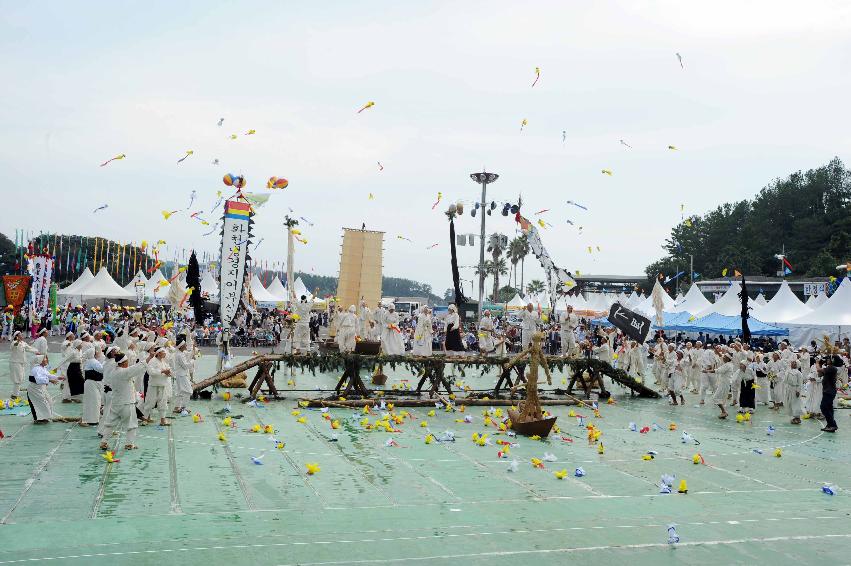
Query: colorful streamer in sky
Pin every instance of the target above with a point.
(116, 158)
(369, 104)
(537, 76)
(577, 205)
(102, 207)
(188, 153)
(167, 214)
(439, 197)
(523, 124)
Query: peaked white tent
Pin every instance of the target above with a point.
(646, 305)
(782, 308)
(277, 290)
(138, 278)
(209, 285)
(815, 301)
(832, 318)
(693, 301)
(300, 289)
(729, 304)
(103, 286)
(259, 292)
(635, 299)
(155, 292)
(73, 290)
(760, 300)
(679, 298)
(515, 303)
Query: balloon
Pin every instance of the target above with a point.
(277, 183)
(232, 180)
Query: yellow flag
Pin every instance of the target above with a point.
(724, 272)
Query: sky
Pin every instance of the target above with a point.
(763, 92)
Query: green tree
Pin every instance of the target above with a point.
(497, 244)
(8, 255)
(535, 287)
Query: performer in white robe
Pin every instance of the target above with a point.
(635, 361)
(123, 412)
(301, 332)
(452, 342)
(40, 343)
(159, 387)
(73, 362)
(814, 392)
(567, 332)
(364, 317)
(184, 361)
(776, 371)
(92, 389)
(348, 330)
(391, 336)
(487, 344)
(793, 380)
(18, 363)
(709, 360)
(41, 405)
(529, 320)
(723, 375)
(423, 335)
(109, 365)
(677, 382)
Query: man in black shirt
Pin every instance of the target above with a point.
(827, 370)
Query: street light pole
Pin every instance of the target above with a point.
(484, 179)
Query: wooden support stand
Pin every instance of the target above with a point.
(434, 373)
(351, 377)
(264, 375)
(505, 378)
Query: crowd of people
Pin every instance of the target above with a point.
(127, 365)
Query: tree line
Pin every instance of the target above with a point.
(805, 213)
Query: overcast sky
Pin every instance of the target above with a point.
(764, 92)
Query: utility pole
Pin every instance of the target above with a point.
(484, 178)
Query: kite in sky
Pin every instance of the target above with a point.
(537, 76)
(672, 147)
(626, 144)
(192, 196)
(233, 136)
(250, 132)
(215, 161)
(432, 246)
(188, 153)
(607, 172)
(523, 124)
(116, 158)
(218, 202)
(542, 211)
(404, 238)
(439, 196)
(216, 225)
(563, 136)
(577, 204)
(569, 221)
(167, 214)
(221, 121)
(680, 59)
(100, 208)
(380, 166)
(257, 245)
(371, 196)
(369, 104)
(309, 223)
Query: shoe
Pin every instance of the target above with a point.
(829, 429)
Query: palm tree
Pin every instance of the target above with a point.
(498, 267)
(514, 250)
(497, 244)
(485, 269)
(535, 287)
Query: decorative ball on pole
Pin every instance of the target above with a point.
(484, 179)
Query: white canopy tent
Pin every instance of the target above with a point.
(782, 308)
(815, 301)
(729, 305)
(103, 286)
(515, 303)
(760, 300)
(679, 298)
(277, 290)
(155, 292)
(832, 318)
(209, 285)
(635, 299)
(646, 306)
(73, 290)
(300, 289)
(138, 278)
(693, 301)
(260, 294)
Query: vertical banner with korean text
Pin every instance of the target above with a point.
(236, 232)
(41, 271)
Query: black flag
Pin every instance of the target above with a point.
(743, 295)
(630, 323)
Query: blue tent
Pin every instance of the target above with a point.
(731, 325)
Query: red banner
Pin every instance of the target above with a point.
(16, 287)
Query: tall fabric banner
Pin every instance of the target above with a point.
(559, 281)
(236, 236)
(16, 287)
(41, 270)
(54, 303)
